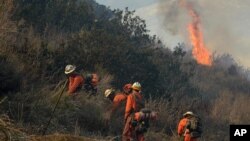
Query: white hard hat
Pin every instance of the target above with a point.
(69, 69)
(136, 86)
(188, 113)
(108, 92)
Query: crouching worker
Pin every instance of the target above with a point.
(91, 83)
(116, 98)
(75, 80)
(114, 115)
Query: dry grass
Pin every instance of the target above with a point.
(84, 116)
(156, 136)
(59, 137)
(232, 108)
(8, 131)
(6, 26)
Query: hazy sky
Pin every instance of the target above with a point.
(225, 23)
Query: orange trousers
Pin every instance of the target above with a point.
(129, 133)
(188, 138)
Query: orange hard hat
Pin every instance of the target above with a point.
(127, 87)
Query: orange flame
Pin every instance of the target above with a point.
(200, 52)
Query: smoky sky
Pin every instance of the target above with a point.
(224, 23)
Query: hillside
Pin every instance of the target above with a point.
(39, 38)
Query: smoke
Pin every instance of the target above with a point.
(225, 24)
(174, 20)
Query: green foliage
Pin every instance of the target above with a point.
(64, 15)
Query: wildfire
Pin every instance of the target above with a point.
(200, 51)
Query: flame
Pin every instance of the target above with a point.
(200, 51)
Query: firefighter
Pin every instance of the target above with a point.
(118, 99)
(76, 81)
(189, 127)
(134, 104)
(114, 115)
(115, 98)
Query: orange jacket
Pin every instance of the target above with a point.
(75, 82)
(131, 105)
(118, 99)
(181, 130)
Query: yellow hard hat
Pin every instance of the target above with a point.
(69, 69)
(136, 86)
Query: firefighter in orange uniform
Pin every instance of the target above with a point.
(75, 80)
(182, 131)
(115, 111)
(117, 98)
(134, 104)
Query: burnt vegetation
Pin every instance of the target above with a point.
(39, 37)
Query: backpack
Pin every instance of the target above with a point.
(91, 81)
(95, 79)
(195, 127)
(140, 103)
(143, 125)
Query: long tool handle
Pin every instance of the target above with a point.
(52, 114)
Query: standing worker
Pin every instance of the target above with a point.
(189, 127)
(134, 104)
(75, 80)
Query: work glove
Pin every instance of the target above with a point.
(134, 123)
